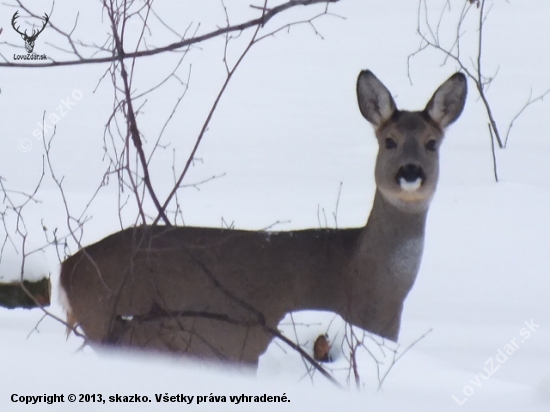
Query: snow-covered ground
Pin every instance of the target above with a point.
(286, 134)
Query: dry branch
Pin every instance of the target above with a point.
(115, 55)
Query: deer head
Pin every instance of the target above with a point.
(29, 40)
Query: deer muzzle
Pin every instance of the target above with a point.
(410, 177)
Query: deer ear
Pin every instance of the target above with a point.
(448, 100)
(375, 101)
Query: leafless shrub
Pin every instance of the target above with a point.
(128, 150)
(466, 52)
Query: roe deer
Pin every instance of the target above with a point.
(217, 293)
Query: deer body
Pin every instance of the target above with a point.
(218, 293)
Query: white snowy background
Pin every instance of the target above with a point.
(286, 134)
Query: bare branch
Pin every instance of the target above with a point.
(213, 108)
(116, 56)
(397, 357)
(495, 171)
(453, 52)
(529, 102)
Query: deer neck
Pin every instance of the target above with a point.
(389, 226)
(384, 266)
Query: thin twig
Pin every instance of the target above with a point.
(495, 172)
(525, 106)
(396, 359)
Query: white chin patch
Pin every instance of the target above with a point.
(410, 186)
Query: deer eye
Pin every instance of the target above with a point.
(390, 143)
(431, 145)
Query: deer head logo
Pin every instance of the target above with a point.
(29, 40)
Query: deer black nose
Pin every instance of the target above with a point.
(410, 173)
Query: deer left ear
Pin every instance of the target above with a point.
(375, 101)
(448, 100)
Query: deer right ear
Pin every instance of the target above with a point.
(448, 100)
(375, 101)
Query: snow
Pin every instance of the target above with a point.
(286, 134)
